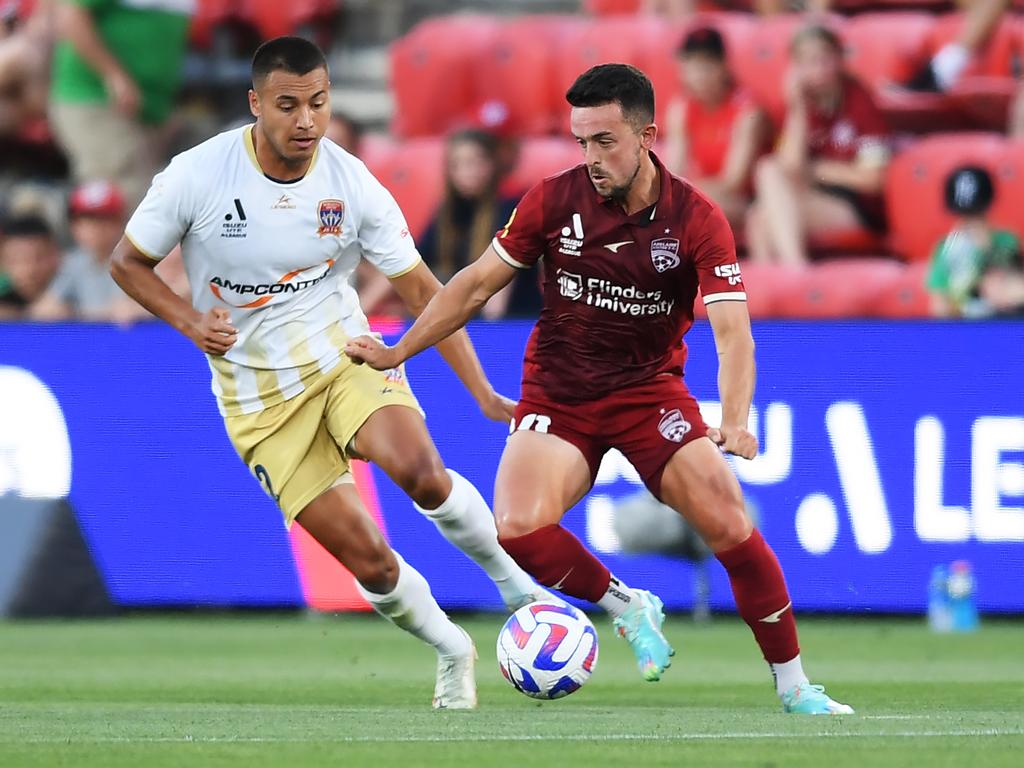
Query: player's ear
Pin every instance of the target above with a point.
(254, 103)
(648, 135)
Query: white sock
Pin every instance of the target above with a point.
(411, 606)
(617, 599)
(788, 674)
(466, 521)
(949, 63)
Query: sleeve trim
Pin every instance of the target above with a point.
(144, 251)
(711, 298)
(500, 250)
(407, 270)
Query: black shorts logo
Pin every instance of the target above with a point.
(264, 477)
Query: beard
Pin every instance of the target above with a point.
(619, 191)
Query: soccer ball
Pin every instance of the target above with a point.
(547, 650)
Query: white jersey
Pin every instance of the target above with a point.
(277, 255)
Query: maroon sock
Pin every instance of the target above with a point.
(762, 598)
(556, 558)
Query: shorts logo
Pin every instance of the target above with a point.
(392, 377)
(673, 426)
(264, 477)
(570, 285)
(665, 253)
(331, 213)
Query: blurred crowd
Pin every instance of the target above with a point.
(89, 97)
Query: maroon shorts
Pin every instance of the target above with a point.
(647, 422)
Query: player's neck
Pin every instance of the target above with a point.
(272, 164)
(645, 189)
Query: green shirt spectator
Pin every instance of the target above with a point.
(148, 39)
(976, 270)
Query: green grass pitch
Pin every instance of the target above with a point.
(286, 690)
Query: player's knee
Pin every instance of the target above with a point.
(378, 571)
(425, 480)
(511, 525)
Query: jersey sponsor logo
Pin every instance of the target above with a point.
(231, 228)
(267, 291)
(331, 214)
(614, 247)
(284, 202)
(571, 241)
(615, 297)
(673, 426)
(570, 285)
(730, 272)
(665, 253)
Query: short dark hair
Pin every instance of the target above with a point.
(706, 41)
(25, 225)
(295, 55)
(622, 84)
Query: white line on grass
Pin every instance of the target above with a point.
(487, 738)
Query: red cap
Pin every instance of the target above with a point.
(96, 198)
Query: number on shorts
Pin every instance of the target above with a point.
(532, 422)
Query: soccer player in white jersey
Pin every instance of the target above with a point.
(272, 220)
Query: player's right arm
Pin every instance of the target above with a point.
(135, 272)
(157, 226)
(449, 310)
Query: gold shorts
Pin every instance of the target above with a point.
(297, 449)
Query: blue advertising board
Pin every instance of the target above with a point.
(887, 448)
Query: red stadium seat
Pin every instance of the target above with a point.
(414, 173)
(608, 7)
(515, 72)
(541, 157)
(906, 297)
(272, 18)
(432, 73)
(883, 48)
(914, 187)
(1009, 183)
(209, 15)
(840, 288)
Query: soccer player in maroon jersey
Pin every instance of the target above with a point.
(626, 247)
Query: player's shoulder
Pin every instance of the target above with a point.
(687, 200)
(562, 190)
(206, 161)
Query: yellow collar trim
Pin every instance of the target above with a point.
(250, 149)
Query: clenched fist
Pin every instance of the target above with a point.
(213, 332)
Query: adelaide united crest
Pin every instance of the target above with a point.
(331, 214)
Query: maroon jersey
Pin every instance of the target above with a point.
(618, 289)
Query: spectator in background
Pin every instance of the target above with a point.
(83, 288)
(976, 270)
(715, 132)
(116, 72)
(345, 132)
(470, 213)
(828, 169)
(29, 259)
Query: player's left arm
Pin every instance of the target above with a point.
(416, 288)
(736, 373)
(725, 296)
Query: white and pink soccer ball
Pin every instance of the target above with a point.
(547, 650)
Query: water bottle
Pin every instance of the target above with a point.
(962, 606)
(940, 615)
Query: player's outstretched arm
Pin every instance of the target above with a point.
(134, 272)
(441, 312)
(736, 372)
